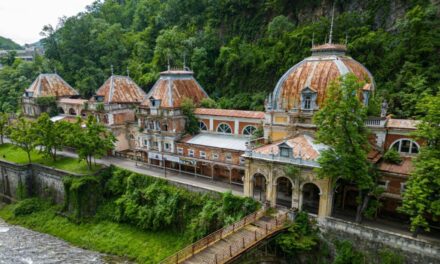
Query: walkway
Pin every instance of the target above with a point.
(230, 242)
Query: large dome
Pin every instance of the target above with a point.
(314, 74)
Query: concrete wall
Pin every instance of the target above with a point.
(373, 241)
(33, 179)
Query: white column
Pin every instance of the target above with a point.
(211, 124)
(236, 126)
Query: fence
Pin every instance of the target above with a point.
(205, 242)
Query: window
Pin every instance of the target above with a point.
(180, 151)
(285, 152)
(383, 184)
(249, 130)
(191, 152)
(228, 157)
(402, 187)
(406, 146)
(242, 160)
(167, 146)
(307, 102)
(131, 137)
(215, 156)
(202, 155)
(224, 128)
(203, 126)
(145, 142)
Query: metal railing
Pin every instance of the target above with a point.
(205, 242)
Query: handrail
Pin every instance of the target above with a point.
(203, 243)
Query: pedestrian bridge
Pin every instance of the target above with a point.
(230, 242)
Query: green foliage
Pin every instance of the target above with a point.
(422, 195)
(392, 156)
(346, 254)
(93, 141)
(81, 196)
(47, 104)
(4, 123)
(23, 135)
(51, 136)
(388, 256)
(301, 236)
(341, 125)
(192, 124)
(28, 206)
(208, 103)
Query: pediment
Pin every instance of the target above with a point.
(308, 89)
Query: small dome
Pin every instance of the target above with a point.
(314, 74)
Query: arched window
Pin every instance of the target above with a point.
(249, 130)
(131, 137)
(406, 146)
(203, 126)
(224, 128)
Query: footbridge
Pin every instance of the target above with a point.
(230, 242)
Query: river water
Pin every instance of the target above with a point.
(19, 245)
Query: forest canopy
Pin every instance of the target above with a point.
(239, 49)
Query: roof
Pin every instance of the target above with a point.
(404, 167)
(229, 113)
(51, 84)
(173, 86)
(402, 123)
(73, 101)
(218, 141)
(303, 146)
(327, 63)
(121, 89)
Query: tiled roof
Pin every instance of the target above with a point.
(402, 123)
(302, 145)
(229, 113)
(51, 85)
(72, 101)
(121, 89)
(404, 167)
(173, 86)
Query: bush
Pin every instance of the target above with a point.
(28, 206)
(301, 236)
(392, 156)
(389, 257)
(346, 254)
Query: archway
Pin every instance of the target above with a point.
(259, 187)
(284, 192)
(84, 113)
(60, 111)
(72, 112)
(310, 198)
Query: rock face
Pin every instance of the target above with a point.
(20, 245)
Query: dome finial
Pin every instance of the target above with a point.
(331, 25)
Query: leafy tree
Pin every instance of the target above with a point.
(208, 103)
(92, 141)
(341, 126)
(301, 236)
(4, 122)
(22, 134)
(51, 136)
(422, 195)
(192, 124)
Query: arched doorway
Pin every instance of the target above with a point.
(60, 111)
(284, 192)
(84, 113)
(259, 187)
(72, 112)
(310, 198)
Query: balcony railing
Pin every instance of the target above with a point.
(273, 157)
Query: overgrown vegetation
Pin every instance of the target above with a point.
(392, 156)
(192, 123)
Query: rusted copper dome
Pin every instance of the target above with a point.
(314, 74)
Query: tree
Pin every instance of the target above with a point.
(192, 124)
(341, 126)
(422, 195)
(51, 136)
(22, 134)
(4, 122)
(91, 141)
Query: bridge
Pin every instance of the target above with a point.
(230, 242)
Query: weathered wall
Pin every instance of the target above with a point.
(18, 180)
(373, 241)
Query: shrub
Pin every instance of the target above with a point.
(392, 156)
(346, 254)
(28, 206)
(389, 257)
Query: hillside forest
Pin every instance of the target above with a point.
(238, 49)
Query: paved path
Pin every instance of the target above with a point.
(183, 178)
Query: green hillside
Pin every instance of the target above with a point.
(239, 49)
(8, 44)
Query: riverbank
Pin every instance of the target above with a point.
(102, 236)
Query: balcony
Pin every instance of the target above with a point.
(375, 122)
(272, 157)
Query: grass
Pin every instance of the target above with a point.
(103, 236)
(11, 153)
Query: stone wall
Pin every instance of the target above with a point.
(18, 180)
(373, 241)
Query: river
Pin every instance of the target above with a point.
(20, 245)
